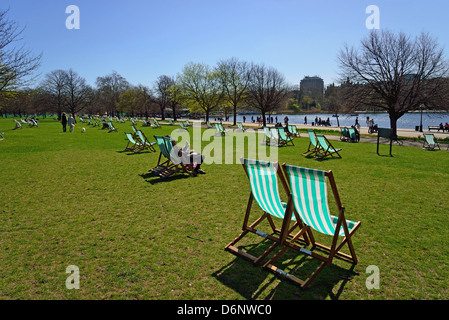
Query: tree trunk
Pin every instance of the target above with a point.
(235, 115)
(393, 124)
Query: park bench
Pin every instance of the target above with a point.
(438, 128)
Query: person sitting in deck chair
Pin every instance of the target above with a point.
(189, 156)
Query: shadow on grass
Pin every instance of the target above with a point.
(157, 179)
(251, 281)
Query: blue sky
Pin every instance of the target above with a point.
(143, 39)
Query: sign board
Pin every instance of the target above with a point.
(384, 133)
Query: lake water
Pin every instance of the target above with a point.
(407, 121)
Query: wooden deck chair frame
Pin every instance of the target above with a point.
(146, 144)
(133, 144)
(313, 144)
(326, 148)
(308, 187)
(430, 142)
(271, 207)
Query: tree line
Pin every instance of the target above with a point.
(388, 71)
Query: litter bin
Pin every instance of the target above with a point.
(416, 128)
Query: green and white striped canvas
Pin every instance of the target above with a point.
(264, 186)
(309, 193)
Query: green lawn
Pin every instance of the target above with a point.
(79, 199)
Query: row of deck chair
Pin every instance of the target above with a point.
(277, 136)
(169, 162)
(292, 225)
(320, 147)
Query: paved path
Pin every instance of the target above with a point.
(369, 138)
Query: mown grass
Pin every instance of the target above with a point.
(79, 199)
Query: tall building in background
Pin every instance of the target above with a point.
(312, 87)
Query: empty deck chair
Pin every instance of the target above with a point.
(309, 194)
(133, 145)
(429, 142)
(325, 148)
(170, 122)
(293, 131)
(208, 124)
(18, 125)
(263, 179)
(285, 140)
(1, 136)
(188, 124)
(146, 144)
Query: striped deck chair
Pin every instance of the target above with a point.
(263, 179)
(313, 144)
(429, 142)
(326, 148)
(283, 137)
(133, 145)
(309, 194)
(146, 144)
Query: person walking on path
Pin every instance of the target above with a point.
(71, 122)
(64, 122)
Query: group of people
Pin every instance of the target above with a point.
(445, 127)
(67, 121)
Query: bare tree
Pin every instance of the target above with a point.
(267, 89)
(17, 64)
(54, 86)
(161, 87)
(395, 73)
(78, 92)
(235, 76)
(110, 87)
